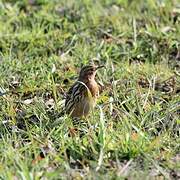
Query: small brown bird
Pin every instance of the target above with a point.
(81, 97)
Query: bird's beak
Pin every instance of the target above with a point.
(98, 67)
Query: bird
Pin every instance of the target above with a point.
(82, 95)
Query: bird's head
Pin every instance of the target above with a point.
(88, 73)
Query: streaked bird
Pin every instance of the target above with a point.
(81, 97)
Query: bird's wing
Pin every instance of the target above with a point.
(74, 95)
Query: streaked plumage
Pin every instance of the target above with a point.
(81, 97)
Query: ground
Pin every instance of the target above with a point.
(134, 129)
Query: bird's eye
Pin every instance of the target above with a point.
(90, 72)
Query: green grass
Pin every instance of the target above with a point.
(43, 44)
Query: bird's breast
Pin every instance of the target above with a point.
(94, 89)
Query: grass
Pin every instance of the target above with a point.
(44, 43)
